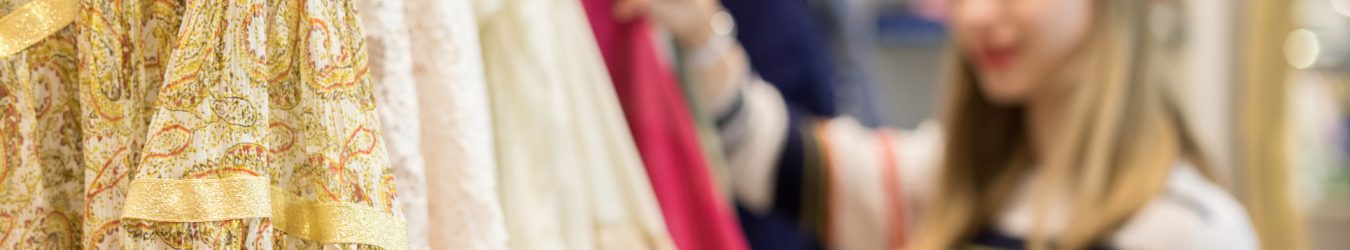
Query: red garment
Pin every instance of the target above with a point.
(662, 127)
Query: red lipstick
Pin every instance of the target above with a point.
(996, 57)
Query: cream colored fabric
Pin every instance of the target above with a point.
(456, 126)
(571, 177)
(391, 75)
(429, 80)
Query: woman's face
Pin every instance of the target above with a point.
(1017, 46)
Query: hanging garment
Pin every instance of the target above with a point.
(571, 178)
(436, 121)
(392, 77)
(456, 126)
(197, 124)
(663, 129)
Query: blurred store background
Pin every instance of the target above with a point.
(1318, 51)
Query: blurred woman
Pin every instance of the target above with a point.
(1057, 133)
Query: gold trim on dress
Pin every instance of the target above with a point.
(34, 21)
(336, 222)
(199, 200)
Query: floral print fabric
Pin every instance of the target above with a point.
(189, 91)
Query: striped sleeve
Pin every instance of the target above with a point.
(849, 186)
(878, 179)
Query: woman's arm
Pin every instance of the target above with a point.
(853, 187)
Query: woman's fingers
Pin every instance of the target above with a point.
(628, 9)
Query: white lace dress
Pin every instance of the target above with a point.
(428, 75)
(456, 126)
(391, 76)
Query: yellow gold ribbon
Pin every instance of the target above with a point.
(198, 200)
(34, 21)
(336, 222)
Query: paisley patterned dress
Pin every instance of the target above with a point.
(172, 124)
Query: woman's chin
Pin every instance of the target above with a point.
(1003, 93)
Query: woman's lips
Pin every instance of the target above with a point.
(996, 58)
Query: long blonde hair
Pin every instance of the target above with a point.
(1120, 141)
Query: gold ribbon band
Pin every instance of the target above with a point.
(200, 200)
(33, 22)
(336, 222)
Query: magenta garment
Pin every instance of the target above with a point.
(663, 129)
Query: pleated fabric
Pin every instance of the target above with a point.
(457, 133)
(392, 78)
(571, 179)
(137, 124)
(428, 76)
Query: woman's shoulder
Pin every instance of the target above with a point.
(1192, 212)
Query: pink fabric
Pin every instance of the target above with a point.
(696, 215)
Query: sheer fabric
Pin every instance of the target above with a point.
(194, 124)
